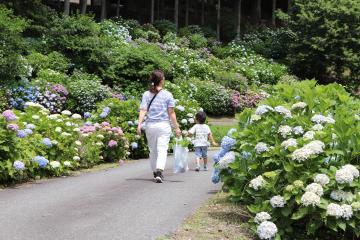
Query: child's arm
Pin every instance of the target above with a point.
(212, 140)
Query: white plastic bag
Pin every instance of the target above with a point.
(181, 159)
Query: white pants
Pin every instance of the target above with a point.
(158, 137)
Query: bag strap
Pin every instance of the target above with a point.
(148, 108)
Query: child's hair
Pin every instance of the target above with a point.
(155, 78)
(200, 117)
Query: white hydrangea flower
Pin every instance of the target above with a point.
(310, 199)
(291, 142)
(261, 147)
(65, 134)
(309, 135)
(344, 175)
(322, 179)
(54, 142)
(257, 183)
(76, 116)
(184, 121)
(334, 210)
(190, 115)
(283, 111)
(315, 188)
(69, 124)
(266, 230)
(58, 129)
(262, 109)
(59, 120)
(32, 104)
(180, 108)
(285, 130)
(76, 129)
(298, 183)
(76, 158)
(67, 164)
(78, 143)
(318, 118)
(226, 160)
(298, 130)
(340, 195)
(54, 164)
(66, 112)
(352, 169)
(317, 127)
(277, 201)
(53, 116)
(347, 211)
(298, 105)
(254, 118)
(100, 136)
(262, 217)
(312, 148)
(355, 206)
(191, 120)
(36, 117)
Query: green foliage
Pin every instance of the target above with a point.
(54, 61)
(327, 41)
(3, 100)
(290, 160)
(232, 80)
(165, 26)
(213, 98)
(12, 45)
(85, 90)
(48, 76)
(197, 41)
(220, 131)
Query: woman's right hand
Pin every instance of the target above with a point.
(178, 132)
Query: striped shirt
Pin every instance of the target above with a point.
(159, 107)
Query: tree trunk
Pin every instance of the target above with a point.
(258, 12)
(103, 10)
(118, 8)
(58, 5)
(176, 16)
(202, 12)
(238, 28)
(83, 6)
(289, 6)
(218, 20)
(273, 20)
(187, 13)
(152, 11)
(67, 7)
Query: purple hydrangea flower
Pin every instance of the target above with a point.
(30, 126)
(28, 131)
(58, 88)
(134, 145)
(21, 134)
(106, 110)
(47, 142)
(112, 143)
(104, 114)
(87, 115)
(9, 115)
(13, 127)
(18, 165)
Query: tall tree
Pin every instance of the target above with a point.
(218, 7)
(187, 13)
(203, 12)
(118, 5)
(67, 7)
(289, 6)
(273, 19)
(258, 11)
(103, 10)
(152, 11)
(238, 28)
(176, 15)
(83, 6)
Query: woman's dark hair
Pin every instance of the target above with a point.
(155, 78)
(200, 117)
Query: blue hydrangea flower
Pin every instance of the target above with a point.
(246, 155)
(43, 162)
(18, 165)
(215, 177)
(47, 142)
(134, 145)
(21, 134)
(104, 114)
(106, 110)
(130, 123)
(87, 115)
(231, 132)
(28, 131)
(30, 126)
(227, 143)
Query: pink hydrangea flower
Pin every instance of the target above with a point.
(9, 115)
(112, 143)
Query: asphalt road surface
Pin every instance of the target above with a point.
(118, 203)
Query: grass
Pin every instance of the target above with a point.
(219, 131)
(216, 219)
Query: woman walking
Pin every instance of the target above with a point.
(158, 106)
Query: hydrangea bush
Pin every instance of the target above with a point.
(296, 163)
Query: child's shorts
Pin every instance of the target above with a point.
(201, 152)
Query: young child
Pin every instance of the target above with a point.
(202, 135)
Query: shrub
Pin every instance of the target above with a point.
(54, 61)
(213, 97)
(12, 45)
(326, 44)
(85, 91)
(3, 100)
(232, 80)
(197, 41)
(293, 162)
(165, 26)
(48, 76)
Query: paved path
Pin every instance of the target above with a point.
(119, 203)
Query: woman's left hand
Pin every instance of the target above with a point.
(178, 132)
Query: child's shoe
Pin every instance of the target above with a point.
(197, 169)
(205, 168)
